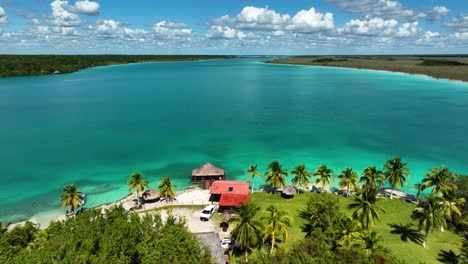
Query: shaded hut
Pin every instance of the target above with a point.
(206, 174)
(151, 196)
(288, 192)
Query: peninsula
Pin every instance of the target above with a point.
(447, 67)
(28, 65)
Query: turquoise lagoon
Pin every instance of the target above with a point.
(97, 126)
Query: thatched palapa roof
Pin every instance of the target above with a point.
(289, 190)
(151, 194)
(207, 170)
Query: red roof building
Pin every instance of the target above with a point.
(230, 193)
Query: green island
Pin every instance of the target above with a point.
(367, 223)
(28, 65)
(444, 66)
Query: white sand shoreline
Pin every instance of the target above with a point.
(189, 196)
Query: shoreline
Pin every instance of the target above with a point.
(131, 59)
(426, 75)
(191, 196)
(187, 196)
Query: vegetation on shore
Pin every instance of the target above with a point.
(366, 228)
(114, 237)
(27, 65)
(308, 228)
(447, 67)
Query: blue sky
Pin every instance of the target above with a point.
(234, 27)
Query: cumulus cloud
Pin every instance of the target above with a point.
(369, 27)
(377, 8)
(3, 17)
(437, 13)
(220, 32)
(308, 21)
(461, 35)
(111, 29)
(407, 30)
(254, 18)
(170, 30)
(380, 27)
(62, 16)
(459, 23)
(87, 7)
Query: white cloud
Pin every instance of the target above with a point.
(220, 32)
(459, 23)
(380, 27)
(255, 18)
(369, 27)
(108, 27)
(378, 8)
(62, 16)
(170, 30)
(430, 34)
(437, 13)
(308, 21)
(87, 7)
(407, 30)
(461, 35)
(3, 17)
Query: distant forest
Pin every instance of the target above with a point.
(26, 65)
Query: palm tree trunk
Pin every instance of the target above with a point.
(425, 238)
(348, 190)
(273, 240)
(391, 192)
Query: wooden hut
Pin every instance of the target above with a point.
(207, 174)
(289, 192)
(151, 196)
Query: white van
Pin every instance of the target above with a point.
(208, 212)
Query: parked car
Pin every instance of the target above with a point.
(227, 243)
(208, 212)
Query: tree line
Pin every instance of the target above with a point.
(445, 207)
(72, 197)
(26, 65)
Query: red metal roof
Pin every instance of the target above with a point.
(230, 187)
(234, 199)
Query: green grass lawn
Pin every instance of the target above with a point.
(396, 212)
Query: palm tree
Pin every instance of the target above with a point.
(301, 176)
(166, 188)
(450, 202)
(324, 175)
(420, 187)
(365, 207)
(349, 180)
(71, 197)
(372, 177)
(247, 231)
(251, 173)
(277, 222)
(396, 173)
(430, 214)
(371, 242)
(350, 234)
(137, 182)
(275, 175)
(439, 178)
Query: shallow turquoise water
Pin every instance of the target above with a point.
(97, 126)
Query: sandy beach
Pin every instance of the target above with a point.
(186, 197)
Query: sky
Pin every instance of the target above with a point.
(243, 27)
